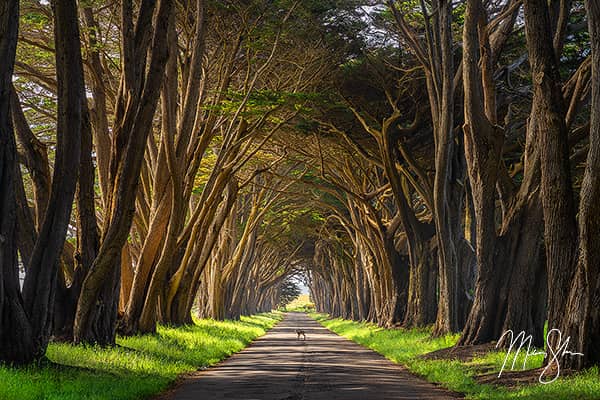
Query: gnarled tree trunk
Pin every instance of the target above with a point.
(95, 319)
(581, 316)
(26, 319)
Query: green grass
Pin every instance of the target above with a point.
(301, 304)
(138, 368)
(405, 346)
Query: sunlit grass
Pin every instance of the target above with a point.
(137, 368)
(397, 347)
(406, 346)
(301, 304)
(495, 359)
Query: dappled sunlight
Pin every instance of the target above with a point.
(139, 366)
(405, 346)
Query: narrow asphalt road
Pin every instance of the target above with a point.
(325, 366)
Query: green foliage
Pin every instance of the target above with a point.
(139, 367)
(289, 292)
(35, 18)
(261, 101)
(207, 164)
(406, 346)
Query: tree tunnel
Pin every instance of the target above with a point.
(417, 164)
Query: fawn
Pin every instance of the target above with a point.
(300, 332)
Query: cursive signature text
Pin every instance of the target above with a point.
(556, 348)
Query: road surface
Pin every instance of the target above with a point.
(325, 366)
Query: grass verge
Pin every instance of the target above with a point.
(301, 304)
(405, 347)
(138, 368)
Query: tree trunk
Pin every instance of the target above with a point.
(507, 295)
(40, 281)
(36, 159)
(127, 274)
(511, 295)
(399, 275)
(150, 252)
(26, 231)
(98, 108)
(421, 309)
(557, 197)
(98, 304)
(28, 321)
(448, 319)
(87, 236)
(16, 336)
(581, 316)
(183, 285)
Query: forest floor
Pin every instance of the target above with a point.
(139, 367)
(325, 366)
(475, 374)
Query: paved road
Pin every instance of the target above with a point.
(323, 367)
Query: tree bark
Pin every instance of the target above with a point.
(40, 281)
(421, 309)
(87, 236)
(99, 111)
(26, 231)
(507, 296)
(28, 321)
(36, 160)
(16, 336)
(556, 191)
(581, 316)
(97, 307)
